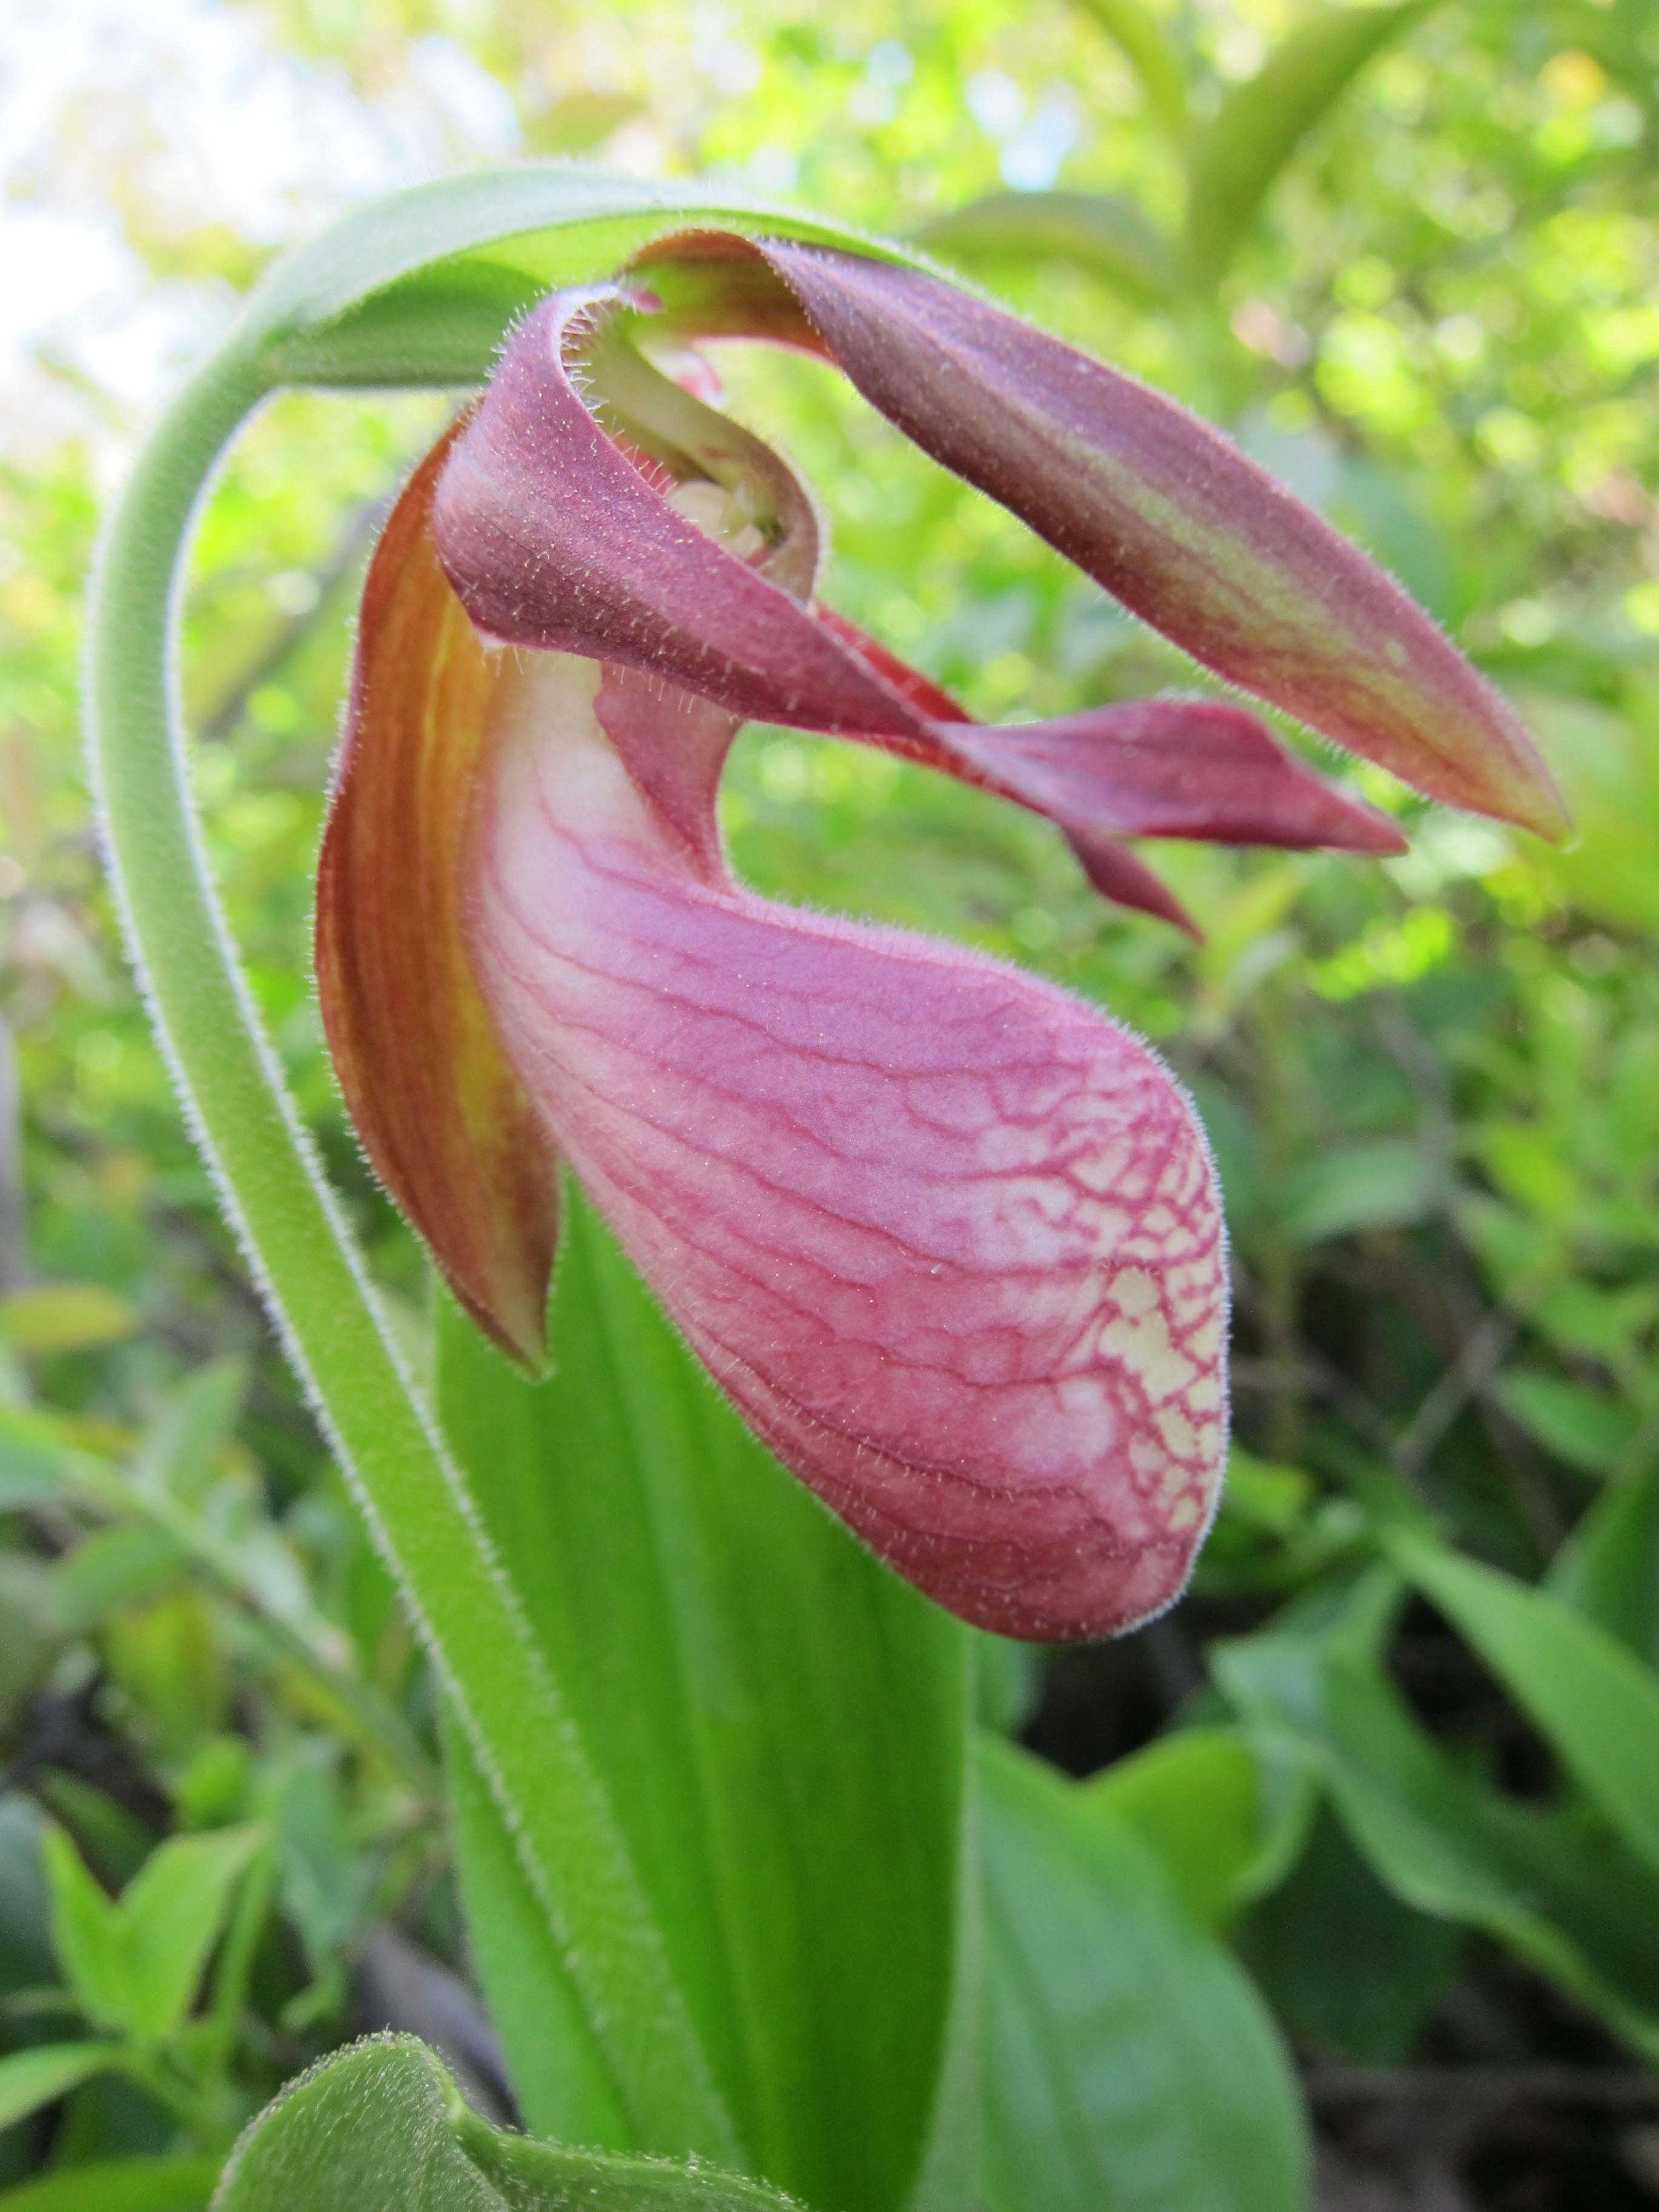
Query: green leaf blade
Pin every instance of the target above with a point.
(1199, 1801)
(1573, 1903)
(171, 1915)
(1390, 1183)
(780, 1725)
(30, 2079)
(1150, 53)
(369, 2130)
(1590, 1697)
(134, 1964)
(1608, 1568)
(86, 1934)
(557, 2054)
(1129, 2062)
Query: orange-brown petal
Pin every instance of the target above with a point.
(440, 1112)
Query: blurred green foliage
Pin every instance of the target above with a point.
(1433, 1085)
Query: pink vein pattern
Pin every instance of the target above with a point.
(949, 1237)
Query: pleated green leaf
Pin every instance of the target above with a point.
(777, 1723)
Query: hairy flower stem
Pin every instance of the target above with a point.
(320, 1296)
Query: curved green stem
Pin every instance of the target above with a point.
(320, 1296)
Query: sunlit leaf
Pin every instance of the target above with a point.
(1150, 53)
(29, 2079)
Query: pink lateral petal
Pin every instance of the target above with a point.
(1154, 769)
(1114, 871)
(1176, 768)
(916, 690)
(1125, 880)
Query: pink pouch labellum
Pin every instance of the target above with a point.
(949, 1237)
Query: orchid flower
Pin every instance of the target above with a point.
(949, 1237)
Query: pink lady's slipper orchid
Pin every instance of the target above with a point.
(949, 1237)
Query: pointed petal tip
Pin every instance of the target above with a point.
(1123, 881)
(1371, 830)
(1485, 761)
(516, 1326)
(1539, 807)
